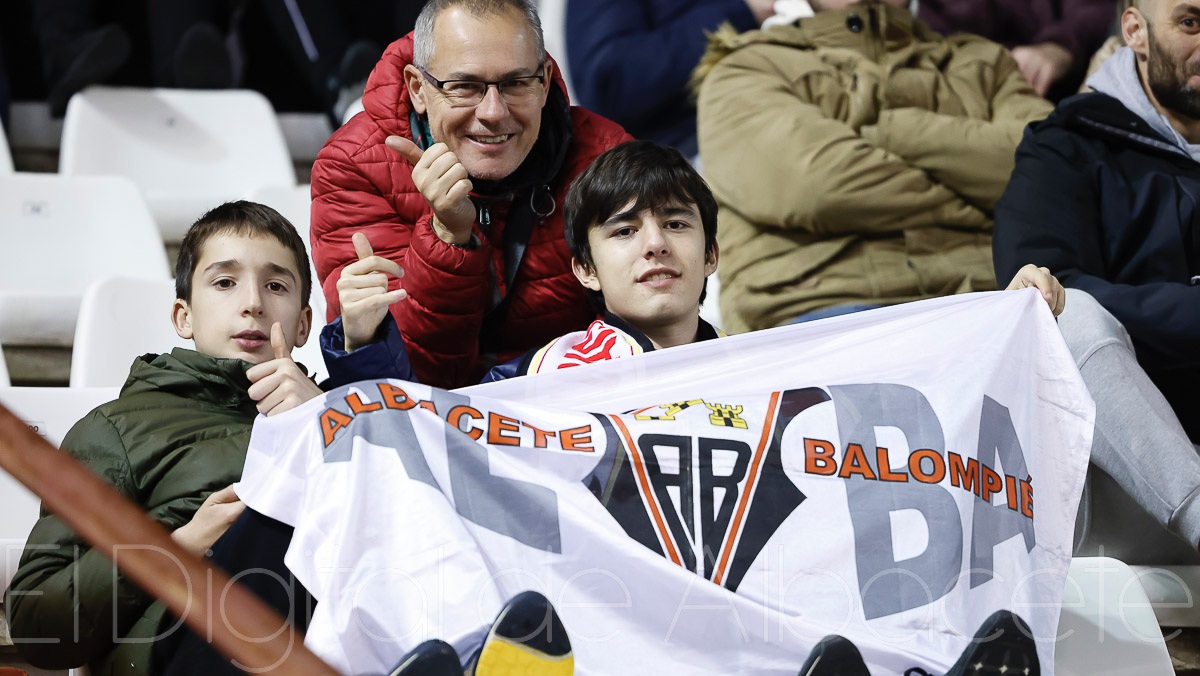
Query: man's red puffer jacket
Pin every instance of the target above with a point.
(358, 184)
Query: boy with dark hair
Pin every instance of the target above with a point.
(651, 176)
(641, 227)
(175, 439)
(245, 219)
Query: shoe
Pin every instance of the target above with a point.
(432, 658)
(1003, 646)
(527, 639)
(201, 61)
(834, 656)
(98, 55)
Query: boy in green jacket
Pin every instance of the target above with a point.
(175, 439)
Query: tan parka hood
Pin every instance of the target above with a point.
(826, 30)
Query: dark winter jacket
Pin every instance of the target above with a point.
(630, 60)
(1078, 25)
(610, 338)
(605, 339)
(178, 432)
(1111, 207)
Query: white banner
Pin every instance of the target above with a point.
(893, 476)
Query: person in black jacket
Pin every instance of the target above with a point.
(1106, 194)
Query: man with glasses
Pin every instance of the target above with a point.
(456, 172)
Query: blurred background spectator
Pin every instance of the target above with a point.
(5, 90)
(856, 157)
(79, 47)
(1110, 46)
(630, 59)
(1052, 40)
(53, 48)
(304, 55)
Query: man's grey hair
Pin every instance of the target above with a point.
(423, 31)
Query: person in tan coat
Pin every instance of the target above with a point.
(856, 157)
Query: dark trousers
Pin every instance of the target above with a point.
(252, 552)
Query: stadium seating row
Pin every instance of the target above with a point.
(185, 150)
(6, 163)
(90, 250)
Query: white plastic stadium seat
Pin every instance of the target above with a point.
(187, 150)
(1107, 626)
(51, 411)
(553, 14)
(63, 233)
(295, 204)
(710, 309)
(120, 319)
(310, 353)
(1172, 590)
(6, 163)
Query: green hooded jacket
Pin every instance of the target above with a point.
(177, 433)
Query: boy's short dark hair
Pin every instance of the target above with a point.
(245, 219)
(643, 171)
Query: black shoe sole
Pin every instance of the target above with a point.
(527, 639)
(1003, 646)
(431, 658)
(834, 656)
(102, 52)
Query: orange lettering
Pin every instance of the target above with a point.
(855, 462)
(539, 436)
(1010, 484)
(818, 457)
(965, 477)
(577, 439)
(456, 415)
(498, 425)
(357, 406)
(395, 397)
(992, 483)
(885, 467)
(332, 421)
(915, 468)
(1027, 498)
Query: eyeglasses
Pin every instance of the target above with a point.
(464, 93)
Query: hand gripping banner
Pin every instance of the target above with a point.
(893, 477)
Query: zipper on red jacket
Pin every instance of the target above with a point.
(485, 217)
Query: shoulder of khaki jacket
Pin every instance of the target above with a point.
(969, 47)
(726, 40)
(997, 69)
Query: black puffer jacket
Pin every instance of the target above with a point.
(178, 432)
(1111, 207)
